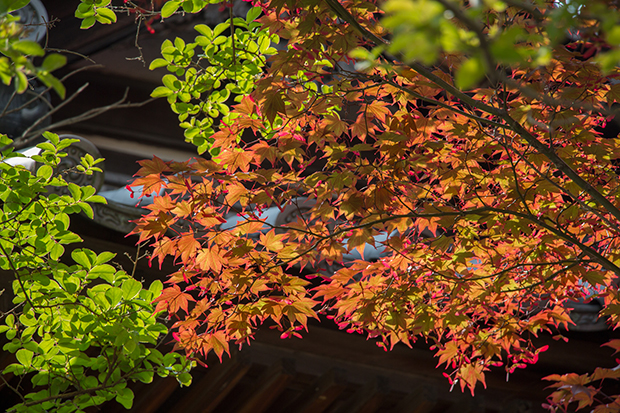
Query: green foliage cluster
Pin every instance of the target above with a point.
(187, 6)
(91, 11)
(201, 83)
(80, 332)
(429, 25)
(16, 54)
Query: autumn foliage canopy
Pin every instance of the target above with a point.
(470, 143)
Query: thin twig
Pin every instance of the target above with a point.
(51, 112)
(19, 278)
(85, 116)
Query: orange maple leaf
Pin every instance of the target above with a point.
(172, 299)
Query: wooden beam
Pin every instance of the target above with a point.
(208, 392)
(421, 400)
(319, 395)
(268, 387)
(367, 399)
(151, 396)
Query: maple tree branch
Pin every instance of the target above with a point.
(577, 198)
(551, 101)
(563, 167)
(549, 278)
(533, 264)
(443, 105)
(559, 163)
(599, 258)
(465, 279)
(479, 32)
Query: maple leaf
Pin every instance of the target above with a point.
(335, 124)
(218, 341)
(448, 353)
(246, 106)
(272, 106)
(264, 150)
(153, 166)
(236, 192)
(187, 246)
(182, 209)
(359, 238)
(272, 241)
(209, 259)
(613, 95)
(615, 344)
(172, 299)
(163, 247)
(151, 184)
(472, 374)
(378, 109)
(234, 159)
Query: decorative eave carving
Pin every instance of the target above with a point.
(117, 216)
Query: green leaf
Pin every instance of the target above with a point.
(28, 320)
(21, 82)
(28, 47)
(90, 382)
(105, 15)
(56, 251)
(170, 8)
(104, 257)
(144, 377)
(5, 140)
(125, 397)
(24, 357)
(52, 137)
(161, 91)
(171, 82)
(87, 209)
(253, 13)
(204, 30)
(114, 295)
(84, 257)
(130, 288)
(470, 73)
(97, 199)
(184, 379)
(53, 61)
(157, 63)
(45, 172)
(102, 271)
(7, 6)
(87, 192)
(88, 22)
(156, 287)
(50, 81)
